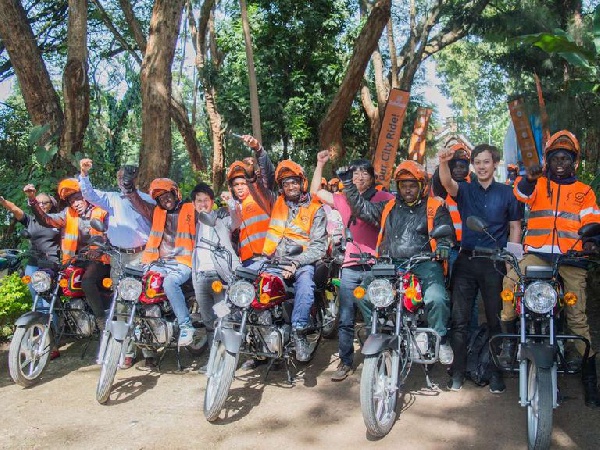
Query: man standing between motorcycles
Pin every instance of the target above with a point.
(364, 239)
(559, 205)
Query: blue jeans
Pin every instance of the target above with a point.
(206, 297)
(349, 280)
(175, 274)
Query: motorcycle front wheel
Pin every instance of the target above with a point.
(28, 355)
(379, 393)
(539, 407)
(109, 370)
(219, 382)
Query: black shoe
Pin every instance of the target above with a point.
(497, 385)
(456, 382)
(342, 371)
(590, 383)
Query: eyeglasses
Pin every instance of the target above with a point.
(290, 183)
(45, 203)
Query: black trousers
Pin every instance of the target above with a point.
(91, 283)
(470, 275)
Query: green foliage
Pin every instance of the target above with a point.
(15, 299)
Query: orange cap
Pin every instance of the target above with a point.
(68, 187)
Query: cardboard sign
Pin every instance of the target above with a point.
(523, 131)
(416, 149)
(389, 135)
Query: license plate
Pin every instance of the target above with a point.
(221, 309)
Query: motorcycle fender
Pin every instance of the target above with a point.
(542, 354)
(231, 338)
(377, 342)
(30, 317)
(119, 330)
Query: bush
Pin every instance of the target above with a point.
(15, 299)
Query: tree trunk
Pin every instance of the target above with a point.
(330, 129)
(254, 106)
(178, 109)
(41, 99)
(76, 86)
(156, 150)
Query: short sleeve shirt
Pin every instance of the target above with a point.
(496, 205)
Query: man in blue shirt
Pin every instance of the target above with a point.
(497, 206)
(128, 226)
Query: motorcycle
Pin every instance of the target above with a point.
(139, 312)
(538, 299)
(59, 310)
(330, 285)
(255, 320)
(397, 338)
(10, 261)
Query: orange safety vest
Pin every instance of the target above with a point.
(554, 221)
(255, 223)
(299, 229)
(70, 238)
(184, 237)
(433, 203)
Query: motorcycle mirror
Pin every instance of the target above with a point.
(349, 237)
(207, 219)
(476, 224)
(98, 225)
(294, 250)
(589, 230)
(441, 231)
(25, 234)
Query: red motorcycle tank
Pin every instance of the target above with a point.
(152, 288)
(270, 291)
(71, 282)
(412, 297)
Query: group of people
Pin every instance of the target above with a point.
(275, 212)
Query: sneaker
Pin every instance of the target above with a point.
(54, 354)
(446, 354)
(252, 364)
(186, 334)
(497, 385)
(456, 382)
(203, 369)
(128, 362)
(302, 348)
(342, 371)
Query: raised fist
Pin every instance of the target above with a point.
(445, 155)
(85, 165)
(30, 191)
(322, 157)
(534, 172)
(251, 142)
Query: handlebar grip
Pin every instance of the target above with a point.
(485, 251)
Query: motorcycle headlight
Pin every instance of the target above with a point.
(380, 293)
(241, 293)
(40, 281)
(130, 289)
(540, 297)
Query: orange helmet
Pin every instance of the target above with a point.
(563, 140)
(67, 187)
(410, 170)
(288, 168)
(334, 181)
(160, 186)
(461, 151)
(514, 167)
(236, 170)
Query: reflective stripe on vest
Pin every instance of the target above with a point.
(455, 215)
(433, 203)
(298, 231)
(70, 238)
(253, 230)
(184, 236)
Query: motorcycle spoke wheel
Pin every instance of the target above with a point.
(379, 393)
(28, 354)
(331, 318)
(108, 371)
(539, 407)
(219, 381)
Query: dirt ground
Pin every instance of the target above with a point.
(164, 410)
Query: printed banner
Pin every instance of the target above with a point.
(389, 136)
(416, 149)
(523, 131)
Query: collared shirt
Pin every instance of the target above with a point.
(126, 227)
(496, 205)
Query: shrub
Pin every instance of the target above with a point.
(15, 299)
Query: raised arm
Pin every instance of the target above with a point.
(361, 208)
(315, 184)
(11, 207)
(96, 198)
(46, 220)
(448, 183)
